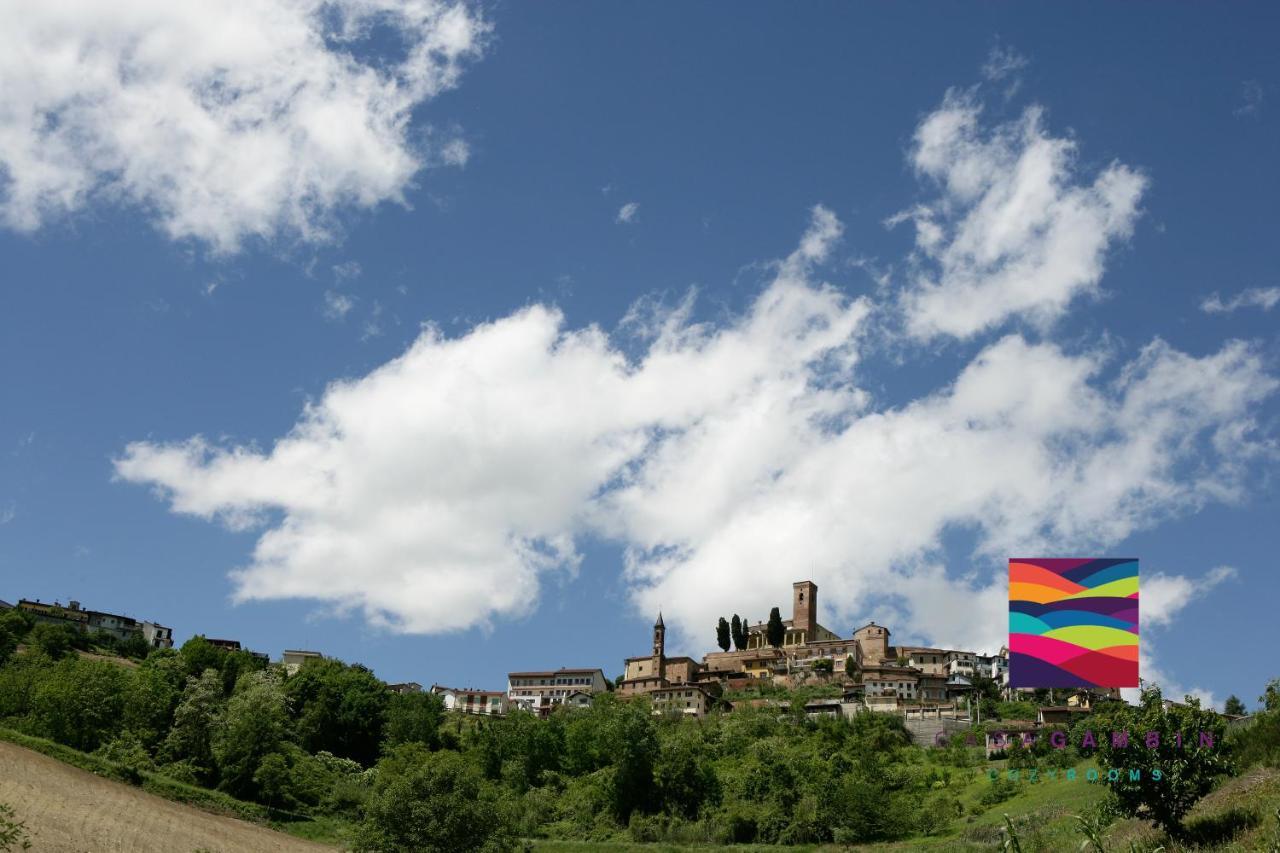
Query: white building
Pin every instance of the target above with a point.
(157, 636)
(540, 691)
(293, 659)
(490, 703)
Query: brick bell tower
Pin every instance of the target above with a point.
(659, 647)
(804, 607)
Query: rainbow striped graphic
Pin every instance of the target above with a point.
(1073, 623)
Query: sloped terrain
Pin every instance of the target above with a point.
(69, 810)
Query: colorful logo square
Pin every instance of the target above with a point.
(1073, 622)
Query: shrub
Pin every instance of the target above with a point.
(1001, 789)
(438, 802)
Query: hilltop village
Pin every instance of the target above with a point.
(872, 672)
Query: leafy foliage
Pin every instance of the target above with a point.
(433, 802)
(1270, 698)
(414, 718)
(338, 708)
(1181, 743)
(252, 726)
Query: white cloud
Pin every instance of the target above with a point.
(1012, 233)
(627, 213)
(8, 512)
(337, 305)
(1163, 598)
(728, 458)
(1265, 298)
(220, 121)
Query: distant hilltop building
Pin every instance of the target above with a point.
(293, 659)
(541, 691)
(234, 646)
(489, 703)
(99, 622)
(672, 684)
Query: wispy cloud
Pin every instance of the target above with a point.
(337, 305)
(628, 213)
(347, 271)
(1251, 97)
(1265, 298)
(1001, 62)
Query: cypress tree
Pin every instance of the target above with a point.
(775, 631)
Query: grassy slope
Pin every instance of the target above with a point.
(325, 830)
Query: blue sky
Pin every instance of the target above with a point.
(523, 493)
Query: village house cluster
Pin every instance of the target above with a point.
(124, 628)
(877, 675)
(927, 685)
(114, 625)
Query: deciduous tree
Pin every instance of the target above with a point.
(1183, 743)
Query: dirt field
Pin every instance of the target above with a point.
(70, 811)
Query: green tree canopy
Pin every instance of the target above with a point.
(80, 702)
(1270, 698)
(775, 631)
(737, 634)
(1234, 706)
(56, 641)
(195, 718)
(338, 708)
(8, 643)
(198, 655)
(722, 634)
(1183, 743)
(253, 726)
(414, 718)
(433, 801)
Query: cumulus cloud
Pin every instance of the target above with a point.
(1164, 596)
(728, 458)
(627, 213)
(1013, 230)
(1265, 298)
(220, 121)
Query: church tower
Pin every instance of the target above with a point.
(659, 647)
(804, 607)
